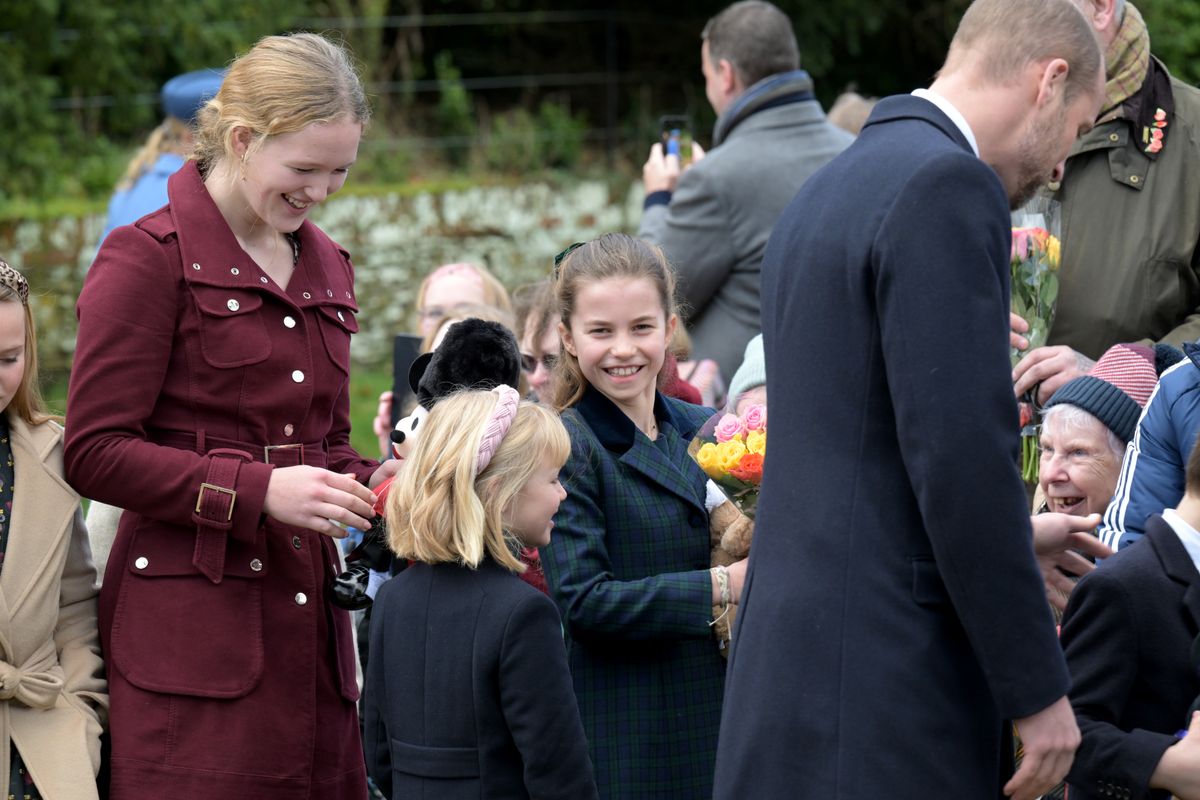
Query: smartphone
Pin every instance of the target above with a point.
(405, 349)
(675, 133)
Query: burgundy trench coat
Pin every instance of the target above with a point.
(230, 674)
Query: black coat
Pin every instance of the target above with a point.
(468, 693)
(893, 613)
(1128, 635)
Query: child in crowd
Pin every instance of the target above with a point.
(537, 332)
(468, 692)
(628, 565)
(749, 384)
(1130, 636)
(52, 689)
(452, 284)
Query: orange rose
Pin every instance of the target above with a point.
(749, 469)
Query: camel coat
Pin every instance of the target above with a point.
(52, 690)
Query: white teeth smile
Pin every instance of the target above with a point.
(296, 204)
(622, 372)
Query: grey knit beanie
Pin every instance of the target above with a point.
(751, 374)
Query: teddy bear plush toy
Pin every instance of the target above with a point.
(730, 532)
(475, 354)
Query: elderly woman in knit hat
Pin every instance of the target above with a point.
(1089, 421)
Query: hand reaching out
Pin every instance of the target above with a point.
(310, 497)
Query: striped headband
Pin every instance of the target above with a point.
(497, 425)
(16, 281)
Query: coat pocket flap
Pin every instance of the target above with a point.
(219, 302)
(435, 762)
(160, 554)
(342, 316)
(928, 588)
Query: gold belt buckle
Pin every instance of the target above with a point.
(232, 498)
(267, 450)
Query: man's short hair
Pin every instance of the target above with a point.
(1008, 35)
(1192, 473)
(755, 37)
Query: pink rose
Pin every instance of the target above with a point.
(730, 427)
(755, 417)
(1020, 245)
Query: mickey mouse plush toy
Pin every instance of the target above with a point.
(475, 354)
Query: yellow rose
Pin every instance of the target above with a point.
(756, 442)
(707, 458)
(729, 454)
(1053, 252)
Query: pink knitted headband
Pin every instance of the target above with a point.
(497, 425)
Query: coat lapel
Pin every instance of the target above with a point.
(43, 506)
(1176, 563)
(621, 437)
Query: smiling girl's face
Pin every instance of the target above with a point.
(292, 172)
(620, 334)
(12, 350)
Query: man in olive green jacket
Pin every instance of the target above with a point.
(1130, 199)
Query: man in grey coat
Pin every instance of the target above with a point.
(713, 219)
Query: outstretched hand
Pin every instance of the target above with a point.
(1179, 768)
(382, 424)
(1058, 541)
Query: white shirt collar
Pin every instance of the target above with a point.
(953, 113)
(1187, 534)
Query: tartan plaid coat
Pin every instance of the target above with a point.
(628, 567)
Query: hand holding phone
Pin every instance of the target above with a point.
(675, 133)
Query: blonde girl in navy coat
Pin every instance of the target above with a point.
(629, 562)
(468, 693)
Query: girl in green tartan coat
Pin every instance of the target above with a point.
(628, 565)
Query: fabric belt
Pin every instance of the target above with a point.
(38, 682)
(215, 502)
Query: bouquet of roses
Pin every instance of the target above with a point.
(730, 448)
(1034, 263)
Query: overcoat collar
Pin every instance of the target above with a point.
(212, 256)
(43, 506)
(619, 435)
(1176, 562)
(906, 106)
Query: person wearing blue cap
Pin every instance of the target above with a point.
(143, 188)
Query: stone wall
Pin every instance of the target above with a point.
(394, 241)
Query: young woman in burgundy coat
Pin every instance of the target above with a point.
(209, 399)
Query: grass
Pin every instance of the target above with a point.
(365, 386)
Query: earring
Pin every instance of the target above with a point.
(242, 169)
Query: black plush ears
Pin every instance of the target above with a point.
(475, 354)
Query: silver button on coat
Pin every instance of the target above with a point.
(142, 562)
(301, 598)
(298, 376)
(233, 305)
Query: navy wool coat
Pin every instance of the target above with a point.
(1128, 635)
(893, 614)
(627, 565)
(467, 690)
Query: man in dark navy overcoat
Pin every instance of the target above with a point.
(893, 615)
